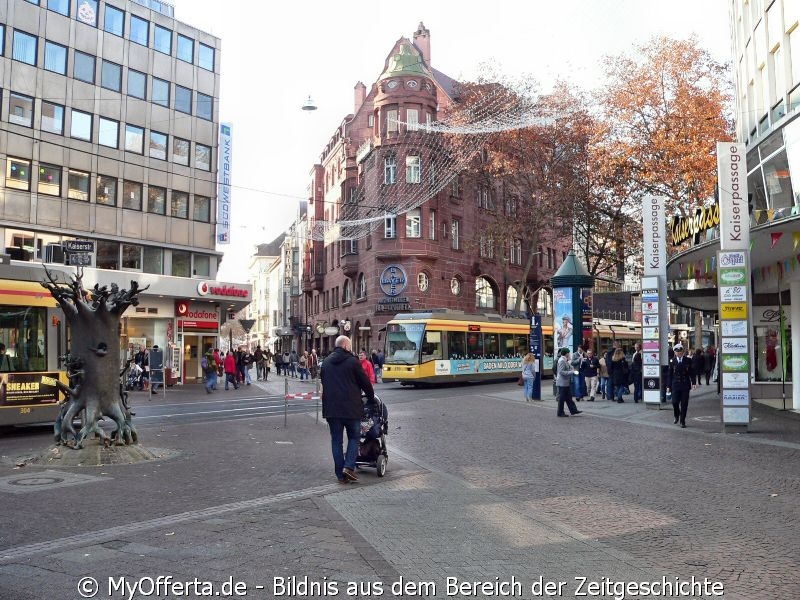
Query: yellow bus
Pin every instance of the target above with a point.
(451, 346)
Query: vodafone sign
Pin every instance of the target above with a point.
(204, 288)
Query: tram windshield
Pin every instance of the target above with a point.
(23, 334)
(403, 341)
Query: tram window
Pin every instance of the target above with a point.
(491, 345)
(403, 342)
(456, 345)
(432, 346)
(23, 332)
(474, 345)
(506, 345)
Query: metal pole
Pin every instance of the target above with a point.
(285, 401)
(316, 388)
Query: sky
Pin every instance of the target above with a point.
(276, 54)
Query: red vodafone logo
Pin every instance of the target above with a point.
(181, 308)
(203, 289)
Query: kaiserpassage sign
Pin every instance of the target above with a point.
(734, 222)
(655, 239)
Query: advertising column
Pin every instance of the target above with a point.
(655, 315)
(733, 285)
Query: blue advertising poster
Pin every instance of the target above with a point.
(563, 326)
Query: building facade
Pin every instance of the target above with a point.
(766, 62)
(430, 256)
(109, 130)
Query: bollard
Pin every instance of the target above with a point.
(285, 401)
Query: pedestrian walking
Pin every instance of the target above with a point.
(619, 373)
(267, 363)
(219, 361)
(343, 381)
(258, 359)
(699, 364)
(209, 367)
(303, 365)
(564, 383)
(230, 370)
(590, 368)
(313, 363)
(377, 363)
(680, 382)
(530, 367)
(366, 364)
(711, 362)
(279, 364)
(609, 357)
(603, 375)
(578, 380)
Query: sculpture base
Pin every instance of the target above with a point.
(94, 454)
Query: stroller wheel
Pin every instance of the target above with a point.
(381, 465)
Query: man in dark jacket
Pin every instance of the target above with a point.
(681, 380)
(343, 380)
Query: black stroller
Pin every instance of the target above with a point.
(135, 379)
(372, 447)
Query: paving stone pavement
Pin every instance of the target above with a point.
(480, 486)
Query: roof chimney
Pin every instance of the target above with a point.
(360, 95)
(422, 40)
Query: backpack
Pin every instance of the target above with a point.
(204, 365)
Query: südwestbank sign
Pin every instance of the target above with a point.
(211, 288)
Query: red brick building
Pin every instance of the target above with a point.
(432, 256)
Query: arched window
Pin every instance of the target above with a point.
(485, 296)
(362, 286)
(544, 304)
(347, 292)
(511, 300)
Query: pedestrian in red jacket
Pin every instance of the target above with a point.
(367, 366)
(230, 370)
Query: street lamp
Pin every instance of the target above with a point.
(309, 104)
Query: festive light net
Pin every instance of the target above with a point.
(422, 161)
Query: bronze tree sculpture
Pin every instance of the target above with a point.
(93, 362)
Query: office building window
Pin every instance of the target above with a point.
(183, 99)
(20, 110)
(108, 133)
(455, 228)
(185, 49)
(156, 200)
(202, 209)
(18, 174)
(106, 192)
(140, 31)
(107, 256)
(160, 92)
(205, 57)
(362, 286)
(162, 39)
(24, 47)
(205, 106)
(389, 170)
(202, 266)
(179, 207)
(78, 185)
(432, 224)
(181, 264)
(87, 12)
(202, 157)
(2, 39)
(132, 195)
(55, 57)
(180, 151)
(153, 260)
(412, 119)
(111, 76)
(83, 67)
(391, 121)
(158, 145)
(49, 180)
(59, 6)
(52, 118)
(81, 126)
(137, 84)
(131, 257)
(114, 20)
(134, 139)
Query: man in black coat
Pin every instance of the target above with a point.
(681, 380)
(343, 380)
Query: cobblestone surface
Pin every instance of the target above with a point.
(479, 486)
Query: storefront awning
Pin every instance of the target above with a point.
(25, 293)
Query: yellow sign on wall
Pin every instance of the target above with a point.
(733, 310)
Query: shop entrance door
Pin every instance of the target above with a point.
(191, 358)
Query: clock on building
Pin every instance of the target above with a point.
(455, 286)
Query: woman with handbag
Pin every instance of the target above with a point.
(619, 372)
(530, 368)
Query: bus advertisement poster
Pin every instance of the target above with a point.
(28, 388)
